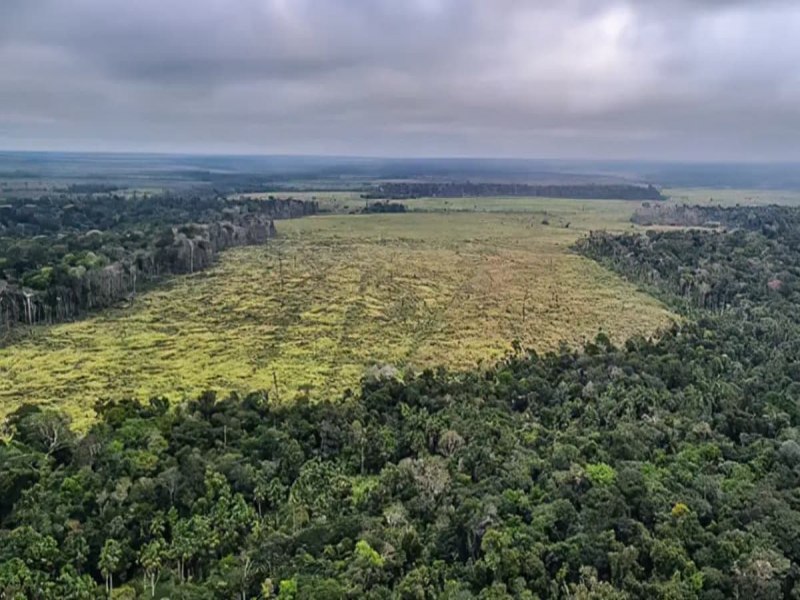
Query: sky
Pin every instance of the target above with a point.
(648, 79)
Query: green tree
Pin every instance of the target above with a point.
(151, 558)
(109, 563)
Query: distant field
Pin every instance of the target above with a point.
(345, 201)
(585, 214)
(732, 197)
(598, 213)
(336, 294)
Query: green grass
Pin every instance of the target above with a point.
(582, 214)
(336, 294)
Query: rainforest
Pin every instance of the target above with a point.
(663, 464)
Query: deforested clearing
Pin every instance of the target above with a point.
(334, 295)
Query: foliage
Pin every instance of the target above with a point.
(601, 474)
(663, 468)
(384, 207)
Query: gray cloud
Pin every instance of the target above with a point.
(676, 79)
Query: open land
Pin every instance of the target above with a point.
(335, 294)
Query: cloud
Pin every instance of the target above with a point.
(579, 78)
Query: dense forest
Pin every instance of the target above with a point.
(663, 468)
(403, 190)
(746, 269)
(66, 254)
(74, 213)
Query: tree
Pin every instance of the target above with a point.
(761, 575)
(15, 579)
(287, 590)
(109, 563)
(151, 558)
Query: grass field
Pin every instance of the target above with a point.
(336, 294)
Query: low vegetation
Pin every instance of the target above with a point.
(307, 314)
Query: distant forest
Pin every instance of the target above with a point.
(663, 468)
(402, 191)
(252, 173)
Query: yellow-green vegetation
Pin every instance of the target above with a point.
(337, 294)
(582, 214)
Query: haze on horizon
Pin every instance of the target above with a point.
(663, 79)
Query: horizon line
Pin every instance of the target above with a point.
(398, 158)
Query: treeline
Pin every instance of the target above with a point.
(66, 213)
(61, 257)
(90, 188)
(663, 468)
(748, 268)
(772, 219)
(384, 207)
(404, 191)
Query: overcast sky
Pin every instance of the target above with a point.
(675, 79)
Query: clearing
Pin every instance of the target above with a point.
(336, 294)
